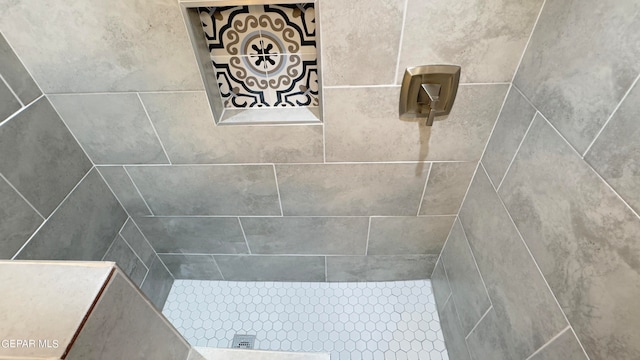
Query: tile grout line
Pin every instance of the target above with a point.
(504, 176)
(613, 113)
(165, 266)
(464, 233)
(390, 162)
(326, 276)
(526, 45)
(2, 79)
(113, 193)
(116, 238)
(289, 255)
(22, 196)
(13, 50)
(424, 189)
(275, 175)
(71, 132)
(138, 190)
(403, 25)
(366, 247)
(478, 323)
(153, 127)
(129, 245)
(244, 235)
(548, 342)
(218, 267)
(443, 246)
(10, 117)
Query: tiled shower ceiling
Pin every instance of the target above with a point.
(264, 56)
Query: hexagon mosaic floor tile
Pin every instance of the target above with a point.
(369, 320)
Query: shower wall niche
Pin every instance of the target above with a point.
(259, 60)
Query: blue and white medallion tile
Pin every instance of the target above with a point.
(264, 56)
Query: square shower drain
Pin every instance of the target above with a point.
(243, 341)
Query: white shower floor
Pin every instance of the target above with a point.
(369, 320)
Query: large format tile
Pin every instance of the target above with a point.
(195, 267)
(584, 239)
(380, 267)
(408, 235)
(565, 347)
(469, 293)
(16, 75)
(453, 334)
(40, 156)
(138, 243)
(82, 228)
(208, 190)
(195, 235)
(513, 122)
(112, 128)
(615, 154)
(97, 46)
(526, 313)
(491, 339)
(187, 130)
(17, 221)
(8, 102)
(440, 283)
(121, 253)
(357, 130)
(582, 58)
(124, 189)
(357, 50)
(271, 268)
(362, 189)
(306, 235)
(486, 38)
(448, 183)
(157, 284)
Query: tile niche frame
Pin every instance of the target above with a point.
(251, 116)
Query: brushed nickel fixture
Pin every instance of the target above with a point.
(428, 91)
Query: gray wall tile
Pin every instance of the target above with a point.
(127, 327)
(469, 293)
(491, 339)
(187, 130)
(306, 235)
(17, 221)
(356, 50)
(486, 38)
(440, 284)
(127, 260)
(513, 122)
(380, 268)
(526, 311)
(195, 267)
(615, 154)
(94, 47)
(40, 156)
(363, 189)
(82, 228)
(157, 284)
(453, 334)
(576, 227)
(196, 235)
(16, 75)
(8, 102)
(271, 268)
(565, 347)
(357, 130)
(124, 189)
(576, 73)
(112, 128)
(408, 235)
(446, 187)
(208, 190)
(138, 243)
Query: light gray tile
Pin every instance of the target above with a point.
(357, 130)
(124, 190)
(17, 221)
(16, 75)
(491, 339)
(40, 156)
(453, 334)
(8, 102)
(187, 130)
(380, 267)
(486, 38)
(526, 312)
(98, 46)
(271, 268)
(440, 284)
(576, 72)
(584, 239)
(447, 185)
(121, 253)
(112, 128)
(513, 122)
(82, 228)
(126, 327)
(195, 355)
(307, 235)
(565, 347)
(157, 284)
(196, 235)
(138, 243)
(208, 190)
(469, 293)
(361, 189)
(356, 50)
(615, 154)
(195, 267)
(408, 235)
